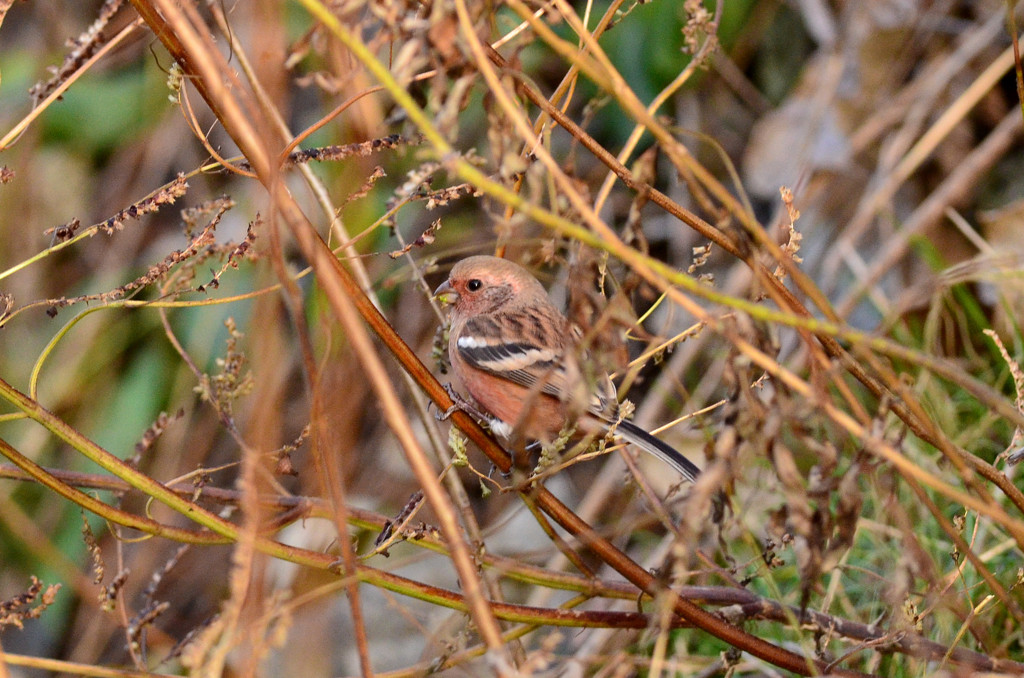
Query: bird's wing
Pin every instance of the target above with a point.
(522, 363)
(521, 348)
(534, 359)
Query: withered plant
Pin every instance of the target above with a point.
(789, 230)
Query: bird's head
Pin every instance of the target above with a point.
(483, 284)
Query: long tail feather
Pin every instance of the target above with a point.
(644, 440)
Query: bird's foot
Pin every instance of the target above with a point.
(459, 403)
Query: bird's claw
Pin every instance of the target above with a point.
(504, 474)
(457, 401)
(443, 416)
(461, 403)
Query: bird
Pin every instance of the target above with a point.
(520, 360)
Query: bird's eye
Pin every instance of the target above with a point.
(474, 284)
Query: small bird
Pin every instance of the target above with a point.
(518, 357)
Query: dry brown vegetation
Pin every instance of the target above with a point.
(793, 230)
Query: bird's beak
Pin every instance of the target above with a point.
(445, 289)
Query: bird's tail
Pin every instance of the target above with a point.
(632, 433)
